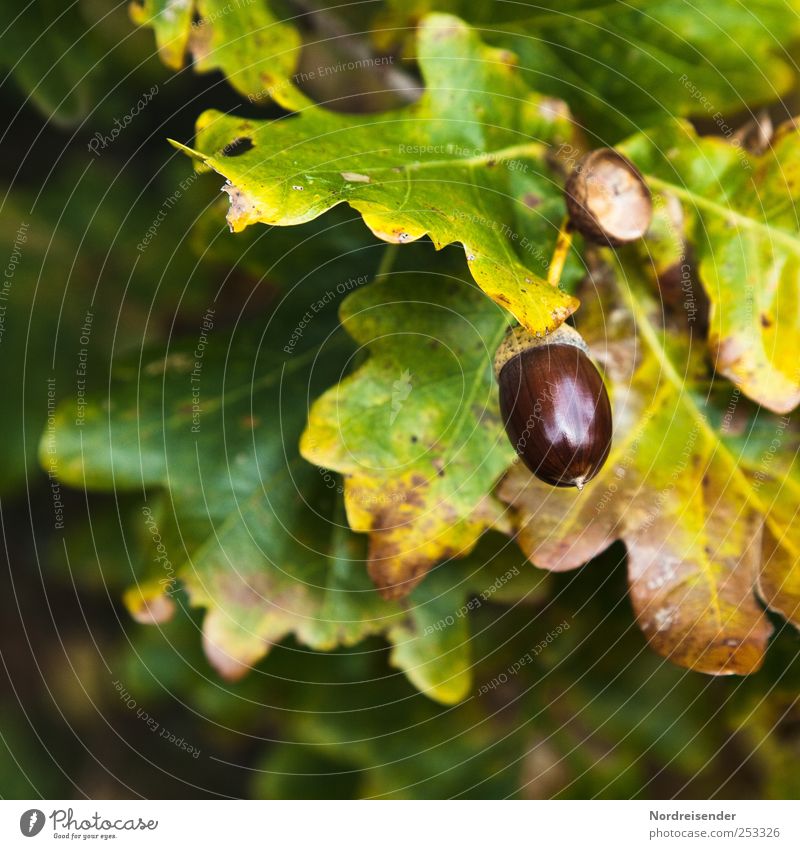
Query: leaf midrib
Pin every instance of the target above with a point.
(744, 222)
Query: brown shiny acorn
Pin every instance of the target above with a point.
(554, 405)
(607, 199)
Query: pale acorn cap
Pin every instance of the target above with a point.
(518, 339)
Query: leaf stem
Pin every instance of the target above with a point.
(387, 260)
(560, 253)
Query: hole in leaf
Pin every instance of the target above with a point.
(238, 146)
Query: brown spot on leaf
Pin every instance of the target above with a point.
(395, 578)
(508, 58)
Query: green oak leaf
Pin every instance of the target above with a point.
(60, 298)
(252, 531)
(626, 65)
(244, 39)
(467, 163)
(740, 213)
(416, 430)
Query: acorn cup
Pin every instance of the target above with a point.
(607, 199)
(554, 405)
